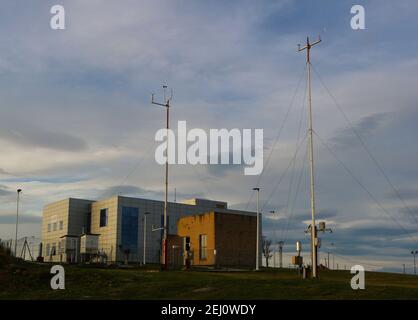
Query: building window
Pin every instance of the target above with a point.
(203, 241)
(54, 227)
(61, 225)
(129, 237)
(103, 217)
(88, 223)
(49, 227)
(53, 250)
(47, 249)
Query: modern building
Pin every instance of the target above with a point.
(62, 224)
(112, 230)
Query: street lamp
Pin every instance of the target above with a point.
(414, 253)
(274, 252)
(257, 250)
(17, 218)
(145, 236)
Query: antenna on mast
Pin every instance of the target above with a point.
(166, 104)
(314, 238)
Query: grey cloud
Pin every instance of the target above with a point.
(320, 214)
(221, 170)
(406, 194)
(410, 212)
(366, 127)
(129, 190)
(11, 219)
(31, 136)
(5, 191)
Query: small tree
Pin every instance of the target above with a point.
(5, 256)
(266, 244)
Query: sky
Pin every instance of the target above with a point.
(76, 118)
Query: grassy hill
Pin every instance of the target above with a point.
(32, 281)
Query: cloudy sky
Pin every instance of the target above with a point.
(76, 121)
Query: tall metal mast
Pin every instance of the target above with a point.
(166, 104)
(314, 241)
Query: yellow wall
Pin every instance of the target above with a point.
(193, 227)
(54, 213)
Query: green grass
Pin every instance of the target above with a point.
(32, 281)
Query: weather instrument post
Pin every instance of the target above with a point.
(314, 244)
(165, 104)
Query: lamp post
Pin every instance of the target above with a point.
(414, 253)
(17, 218)
(274, 252)
(145, 237)
(257, 249)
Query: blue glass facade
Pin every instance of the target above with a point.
(130, 229)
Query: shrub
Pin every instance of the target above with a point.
(5, 258)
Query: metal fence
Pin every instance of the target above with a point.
(27, 248)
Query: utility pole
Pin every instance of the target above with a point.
(166, 104)
(414, 253)
(257, 248)
(314, 244)
(17, 218)
(281, 254)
